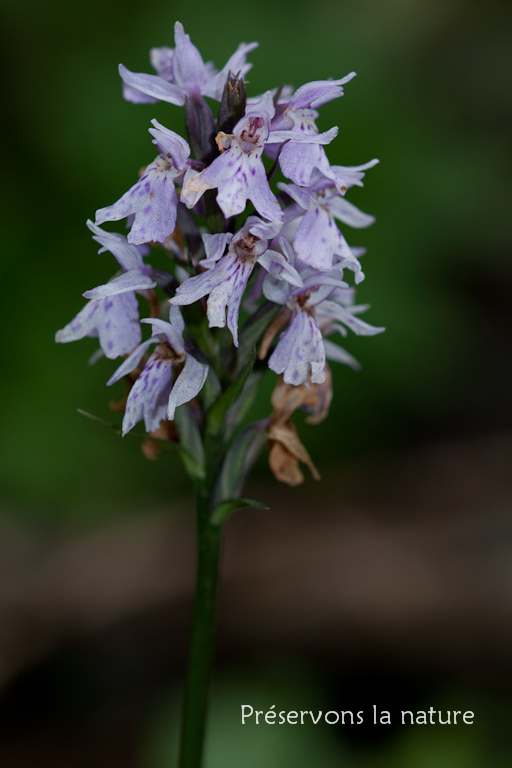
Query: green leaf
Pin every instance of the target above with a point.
(224, 510)
(211, 389)
(190, 437)
(240, 457)
(218, 411)
(236, 416)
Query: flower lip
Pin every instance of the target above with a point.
(302, 298)
(249, 247)
(165, 352)
(251, 136)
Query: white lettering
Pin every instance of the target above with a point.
(246, 706)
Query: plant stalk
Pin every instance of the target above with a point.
(202, 634)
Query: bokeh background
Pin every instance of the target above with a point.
(387, 583)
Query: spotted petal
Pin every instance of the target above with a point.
(188, 384)
(300, 351)
(153, 200)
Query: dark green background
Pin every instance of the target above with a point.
(431, 100)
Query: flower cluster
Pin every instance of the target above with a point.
(283, 270)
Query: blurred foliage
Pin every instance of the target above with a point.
(430, 100)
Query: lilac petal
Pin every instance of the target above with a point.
(279, 267)
(154, 201)
(171, 144)
(188, 384)
(161, 60)
(119, 331)
(154, 86)
(172, 334)
(334, 311)
(258, 190)
(306, 198)
(239, 177)
(195, 288)
(265, 230)
(348, 213)
(277, 137)
(188, 65)
(347, 258)
(300, 349)
(297, 162)
(264, 105)
(149, 395)
(339, 355)
(235, 64)
(286, 248)
(176, 320)
(225, 284)
(216, 174)
(349, 176)
(127, 255)
(128, 281)
(214, 246)
(323, 285)
(114, 319)
(314, 94)
(135, 96)
(275, 290)
(232, 278)
(84, 324)
(248, 182)
(131, 362)
(316, 239)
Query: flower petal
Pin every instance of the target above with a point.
(188, 384)
(300, 350)
(128, 281)
(149, 395)
(153, 86)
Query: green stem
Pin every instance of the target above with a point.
(202, 633)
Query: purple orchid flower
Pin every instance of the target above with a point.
(238, 173)
(156, 395)
(112, 314)
(317, 239)
(182, 72)
(298, 114)
(161, 61)
(226, 277)
(322, 307)
(153, 199)
(136, 275)
(115, 320)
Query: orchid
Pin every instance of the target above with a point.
(317, 239)
(154, 396)
(226, 281)
(238, 173)
(266, 294)
(297, 114)
(182, 72)
(153, 199)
